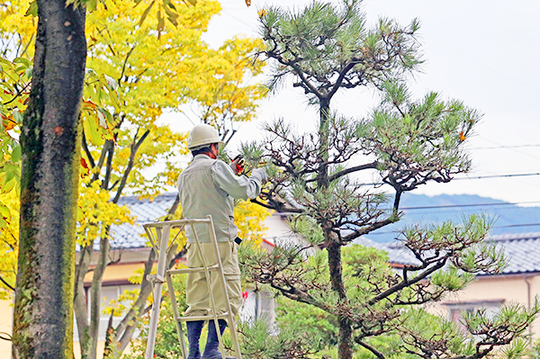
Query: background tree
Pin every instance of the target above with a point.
(406, 143)
(150, 78)
(128, 85)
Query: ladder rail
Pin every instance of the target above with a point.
(232, 326)
(176, 313)
(158, 284)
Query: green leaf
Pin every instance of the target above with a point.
(23, 61)
(16, 154)
(17, 116)
(102, 117)
(8, 186)
(28, 73)
(4, 211)
(91, 5)
(3, 223)
(171, 16)
(92, 132)
(32, 9)
(115, 101)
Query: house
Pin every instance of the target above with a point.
(519, 282)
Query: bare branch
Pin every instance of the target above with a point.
(7, 284)
(134, 148)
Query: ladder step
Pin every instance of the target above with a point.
(192, 270)
(224, 315)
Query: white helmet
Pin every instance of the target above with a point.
(202, 135)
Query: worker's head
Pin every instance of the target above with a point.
(204, 138)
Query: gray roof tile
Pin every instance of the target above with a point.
(145, 210)
(522, 252)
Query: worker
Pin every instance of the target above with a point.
(208, 186)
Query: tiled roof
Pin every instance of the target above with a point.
(397, 254)
(522, 250)
(146, 210)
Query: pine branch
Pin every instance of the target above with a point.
(279, 207)
(372, 165)
(407, 283)
(377, 353)
(360, 232)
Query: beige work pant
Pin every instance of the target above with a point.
(197, 296)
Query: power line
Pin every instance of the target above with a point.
(469, 205)
(499, 176)
(505, 226)
(473, 177)
(504, 147)
(518, 225)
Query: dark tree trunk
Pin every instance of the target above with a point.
(43, 320)
(333, 247)
(324, 123)
(345, 342)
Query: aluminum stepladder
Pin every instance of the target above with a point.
(159, 234)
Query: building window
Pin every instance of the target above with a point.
(456, 311)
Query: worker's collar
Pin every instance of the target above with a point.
(202, 156)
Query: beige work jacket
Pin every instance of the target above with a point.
(209, 187)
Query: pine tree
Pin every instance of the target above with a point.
(407, 143)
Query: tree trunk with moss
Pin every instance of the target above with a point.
(43, 320)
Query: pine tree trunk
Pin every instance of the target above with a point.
(333, 247)
(345, 343)
(43, 320)
(324, 123)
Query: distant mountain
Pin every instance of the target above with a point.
(425, 209)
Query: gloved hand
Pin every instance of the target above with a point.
(237, 165)
(261, 173)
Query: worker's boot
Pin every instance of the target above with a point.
(194, 330)
(212, 343)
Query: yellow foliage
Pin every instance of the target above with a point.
(122, 304)
(9, 238)
(133, 74)
(96, 213)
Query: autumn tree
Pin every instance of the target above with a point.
(134, 73)
(405, 143)
(150, 79)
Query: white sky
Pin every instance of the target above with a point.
(484, 52)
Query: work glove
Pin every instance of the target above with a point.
(237, 165)
(260, 173)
